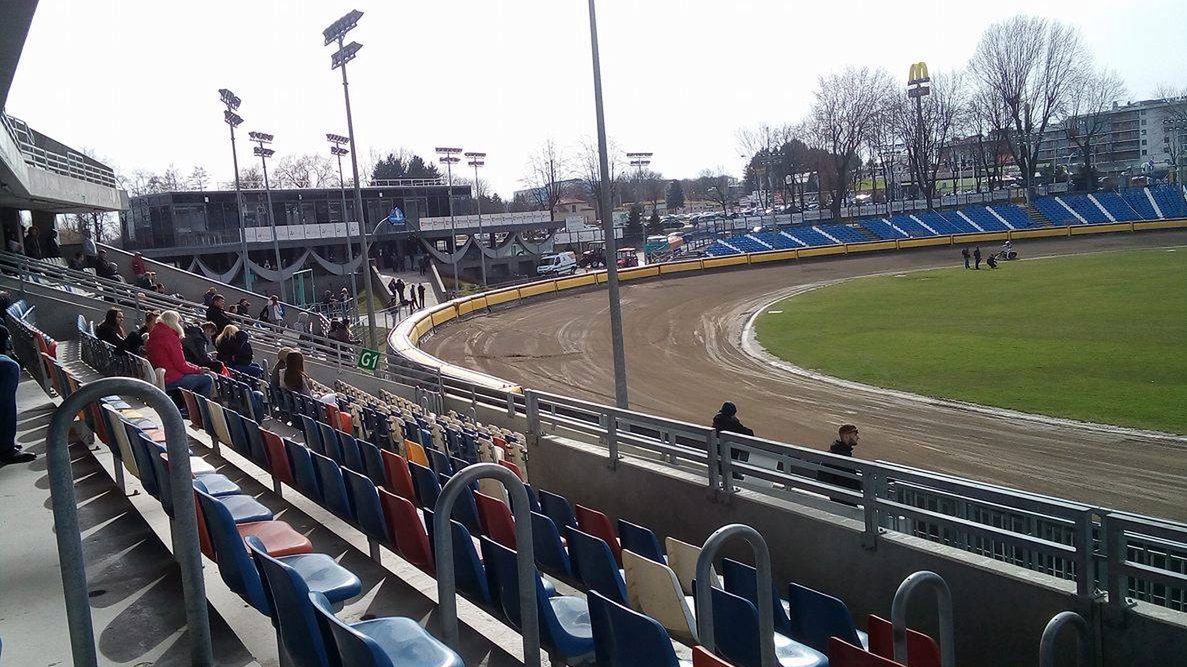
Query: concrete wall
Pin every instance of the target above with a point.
(1000, 610)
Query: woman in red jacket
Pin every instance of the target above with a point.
(163, 350)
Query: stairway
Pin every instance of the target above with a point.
(866, 234)
(1034, 214)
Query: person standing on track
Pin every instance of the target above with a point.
(964, 252)
(977, 257)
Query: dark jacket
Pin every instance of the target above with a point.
(32, 245)
(724, 422)
(196, 346)
(50, 248)
(840, 449)
(218, 317)
(235, 350)
(109, 334)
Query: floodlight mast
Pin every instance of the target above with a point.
(449, 157)
(477, 160)
(231, 101)
(262, 139)
(345, 53)
(336, 149)
(640, 160)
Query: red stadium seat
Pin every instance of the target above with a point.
(399, 480)
(191, 406)
(844, 654)
(278, 459)
(922, 650)
(703, 658)
(407, 529)
(513, 468)
(497, 523)
(597, 524)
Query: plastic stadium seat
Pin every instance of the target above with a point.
(513, 468)
(352, 457)
(682, 558)
(278, 460)
(382, 642)
(703, 658)
(242, 508)
(278, 537)
(815, 617)
(364, 501)
(426, 484)
(565, 630)
(333, 488)
(399, 480)
(222, 432)
(235, 426)
(464, 509)
(653, 589)
(844, 654)
(372, 462)
(408, 530)
(330, 440)
(191, 407)
(1139, 202)
(415, 453)
(495, 518)
(596, 523)
(469, 573)
(742, 580)
(557, 508)
(641, 541)
(625, 638)
(922, 650)
(312, 434)
(305, 477)
(549, 551)
(594, 565)
(439, 461)
(289, 582)
(735, 624)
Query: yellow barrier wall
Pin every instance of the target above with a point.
(575, 281)
(640, 272)
(980, 238)
(536, 290)
(677, 267)
(919, 243)
(1101, 229)
(502, 296)
(1161, 224)
(1038, 233)
(781, 255)
(821, 251)
(442, 316)
(732, 260)
(873, 245)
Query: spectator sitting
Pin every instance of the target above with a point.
(294, 377)
(51, 249)
(137, 339)
(104, 268)
(243, 308)
(234, 350)
(340, 331)
(196, 346)
(208, 297)
(843, 446)
(281, 360)
(33, 242)
(111, 330)
(78, 262)
(10, 377)
(163, 350)
(215, 313)
(138, 267)
(145, 280)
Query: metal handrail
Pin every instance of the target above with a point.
(67, 530)
(898, 616)
(525, 559)
(70, 163)
(704, 597)
(1051, 632)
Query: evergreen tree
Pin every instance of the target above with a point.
(654, 226)
(675, 197)
(633, 234)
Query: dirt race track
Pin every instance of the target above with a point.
(684, 357)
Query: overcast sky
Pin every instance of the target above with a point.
(136, 80)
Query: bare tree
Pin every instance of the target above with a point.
(928, 127)
(547, 170)
(1092, 97)
(591, 174)
(198, 178)
(761, 143)
(308, 170)
(1175, 124)
(714, 185)
(846, 108)
(1030, 64)
(104, 225)
(252, 177)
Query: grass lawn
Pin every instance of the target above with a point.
(1098, 337)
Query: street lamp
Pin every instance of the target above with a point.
(616, 339)
(336, 149)
(262, 139)
(345, 53)
(477, 160)
(639, 160)
(234, 120)
(449, 157)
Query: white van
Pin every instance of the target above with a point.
(561, 264)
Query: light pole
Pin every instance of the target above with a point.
(234, 120)
(620, 388)
(477, 160)
(336, 149)
(449, 157)
(345, 53)
(261, 139)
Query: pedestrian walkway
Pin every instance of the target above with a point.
(413, 278)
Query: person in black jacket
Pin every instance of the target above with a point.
(216, 315)
(726, 419)
(846, 440)
(234, 349)
(50, 248)
(977, 257)
(195, 345)
(33, 242)
(111, 331)
(964, 252)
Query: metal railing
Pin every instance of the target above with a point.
(406, 182)
(66, 163)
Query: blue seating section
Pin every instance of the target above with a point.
(1116, 205)
(908, 225)
(881, 228)
(776, 240)
(1086, 208)
(1015, 215)
(747, 244)
(1170, 200)
(810, 236)
(844, 233)
(1055, 212)
(986, 220)
(1139, 202)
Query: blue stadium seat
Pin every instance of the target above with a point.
(815, 617)
(304, 475)
(468, 570)
(1055, 212)
(242, 508)
(382, 642)
(1083, 205)
(595, 566)
(364, 499)
(882, 229)
(352, 458)
(1015, 215)
(986, 220)
(1139, 202)
(312, 434)
(959, 224)
(736, 633)
(641, 541)
(742, 580)
(330, 440)
(1116, 205)
(908, 225)
(844, 233)
(557, 508)
(373, 462)
(625, 638)
(809, 236)
(1170, 200)
(333, 488)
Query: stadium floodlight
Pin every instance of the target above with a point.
(616, 339)
(639, 160)
(339, 28)
(449, 157)
(233, 120)
(477, 160)
(262, 138)
(230, 99)
(344, 55)
(336, 149)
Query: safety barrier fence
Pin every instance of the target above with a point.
(1101, 551)
(64, 162)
